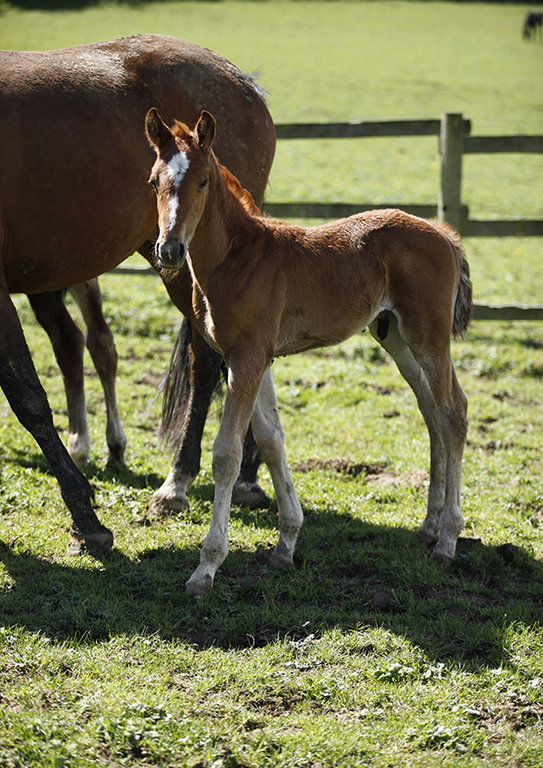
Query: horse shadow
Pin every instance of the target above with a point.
(94, 472)
(366, 575)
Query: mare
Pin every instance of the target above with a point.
(270, 288)
(68, 345)
(73, 206)
(532, 25)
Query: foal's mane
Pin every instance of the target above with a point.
(242, 195)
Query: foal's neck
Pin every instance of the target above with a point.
(218, 232)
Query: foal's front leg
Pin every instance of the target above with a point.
(271, 443)
(227, 453)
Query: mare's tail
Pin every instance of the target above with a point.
(463, 305)
(176, 388)
(178, 395)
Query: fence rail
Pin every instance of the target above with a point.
(455, 141)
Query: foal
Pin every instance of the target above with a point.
(264, 288)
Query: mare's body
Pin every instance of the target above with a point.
(73, 206)
(271, 288)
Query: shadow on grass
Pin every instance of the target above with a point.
(93, 472)
(347, 574)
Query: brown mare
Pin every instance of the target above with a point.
(73, 206)
(270, 288)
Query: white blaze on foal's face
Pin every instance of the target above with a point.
(176, 169)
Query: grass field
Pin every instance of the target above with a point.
(367, 653)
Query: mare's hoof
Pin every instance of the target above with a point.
(116, 459)
(96, 544)
(162, 505)
(250, 495)
(199, 586)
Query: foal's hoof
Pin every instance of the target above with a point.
(426, 537)
(280, 558)
(96, 544)
(251, 495)
(197, 586)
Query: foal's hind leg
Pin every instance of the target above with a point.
(101, 346)
(20, 383)
(443, 406)
(68, 344)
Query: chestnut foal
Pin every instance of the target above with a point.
(263, 288)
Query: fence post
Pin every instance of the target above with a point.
(449, 207)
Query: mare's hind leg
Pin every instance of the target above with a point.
(27, 399)
(271, 442)
(101, 347)
(68, 344)
(431, 375)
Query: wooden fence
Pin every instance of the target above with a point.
(455, 141)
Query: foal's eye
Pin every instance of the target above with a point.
(203, 184)
(154, 183)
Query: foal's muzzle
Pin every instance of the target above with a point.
(171, 254)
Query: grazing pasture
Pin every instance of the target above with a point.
(367, 652)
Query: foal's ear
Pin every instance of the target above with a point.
(205, 130)
(157, 131)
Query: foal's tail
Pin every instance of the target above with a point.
(463, 305)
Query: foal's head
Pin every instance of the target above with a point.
(180, 177)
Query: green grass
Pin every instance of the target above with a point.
(367, 653)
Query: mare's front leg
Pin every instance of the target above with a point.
(271, 442)
(243, 386)
(68, 345)
(101, 346)
(27, 399)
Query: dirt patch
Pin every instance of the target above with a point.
(345, 466)
(375, 473)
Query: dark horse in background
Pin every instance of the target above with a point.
(532, 25)
(73, 206)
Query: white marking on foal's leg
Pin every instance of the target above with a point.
(270, 439)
